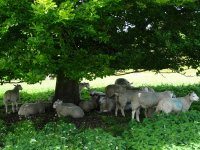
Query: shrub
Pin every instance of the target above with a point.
(165, 132)
(99, 140)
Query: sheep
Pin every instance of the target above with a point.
(111, 89)
(68, 109)
(13, 97)
(31, 109)
(125, 97)
(123, 82)
(89, 105)
(179, 104)
(106, 104)
(84, 84)
(146, 100)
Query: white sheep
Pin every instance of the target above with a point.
(31, 109)
(89, 105)
(123, 98)
(12, 96)
(147, 100)
(84, 85)
(68, 109)
(123, 82)
(107, 104)
(111, 89)
(179, 104)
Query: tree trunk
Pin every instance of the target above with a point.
(66, 90)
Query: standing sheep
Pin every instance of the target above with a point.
(179, 104)
(12, 96)
(125, 97)
(31, 109)
(147, 100)
(84, 84)
(68, 109)
(111, 89)
(123, 82)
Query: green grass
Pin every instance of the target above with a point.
(179, 131)
(170, 81)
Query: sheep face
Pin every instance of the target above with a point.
(193, 97)
(56, 103)
(84, 84)
(18, 86)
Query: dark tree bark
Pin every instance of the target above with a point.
(66, 89)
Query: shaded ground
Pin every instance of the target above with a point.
(91, 120)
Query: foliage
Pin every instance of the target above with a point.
(179, 131)
(3, 131)
(57, 36)
(174, 131)
(60, 135)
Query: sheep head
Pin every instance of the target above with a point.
(56, 103)
(193, 96)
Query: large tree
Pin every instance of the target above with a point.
(76, 39)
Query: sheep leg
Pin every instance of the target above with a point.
(138, 114)
(145, 113)
(116, 110)
(133, 114)
(13, 107)
(16, 104)
(6, 107)
(122, 111)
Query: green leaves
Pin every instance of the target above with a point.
(165, 132)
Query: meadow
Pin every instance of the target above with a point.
(161, 132)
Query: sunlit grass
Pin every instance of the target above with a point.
(35, 91)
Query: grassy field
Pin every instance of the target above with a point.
(45, 88)
(137, 79)
(161, 132)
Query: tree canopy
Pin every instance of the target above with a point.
(93, 38)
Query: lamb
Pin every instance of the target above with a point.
(68, 109)
(31, 109)
(13, 97)
(180, 104)
(147, 100)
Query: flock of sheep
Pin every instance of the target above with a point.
(118, 96)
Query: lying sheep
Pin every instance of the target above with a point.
(123, 82)
(12, 96)
(68, 109)
(89, 105)
(180, 104)
(106, 104)
(147, 100)
(31, 109)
